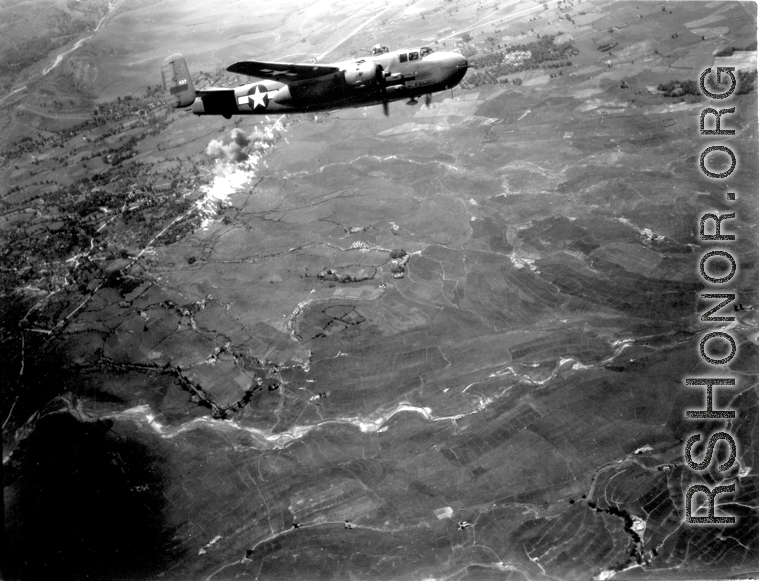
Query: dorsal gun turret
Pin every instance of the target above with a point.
(379, 49)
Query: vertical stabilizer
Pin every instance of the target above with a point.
(177, 84)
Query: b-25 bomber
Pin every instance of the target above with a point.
(383, 77)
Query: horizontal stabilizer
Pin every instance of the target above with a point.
(282, 72)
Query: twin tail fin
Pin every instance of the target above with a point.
(177, 83)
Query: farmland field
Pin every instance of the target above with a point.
(445, 344)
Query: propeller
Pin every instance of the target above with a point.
(380, 76)
(428, 100)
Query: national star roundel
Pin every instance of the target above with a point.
(258, 96)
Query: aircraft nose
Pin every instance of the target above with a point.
(452, 67)
(457, 64)
(452, 60)
(448, 60)
(459, 61)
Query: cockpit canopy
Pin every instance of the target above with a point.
(414, 55)
(405, 55)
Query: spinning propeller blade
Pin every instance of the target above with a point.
(380, 76)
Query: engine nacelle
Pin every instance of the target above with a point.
(395, 79)
(362, 73)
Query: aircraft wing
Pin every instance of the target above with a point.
(209, 90)
(282, 72)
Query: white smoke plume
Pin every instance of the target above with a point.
(234, 150)
(236, 165)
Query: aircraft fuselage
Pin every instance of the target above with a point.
(392, 76)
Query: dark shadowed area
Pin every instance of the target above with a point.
(87, 503)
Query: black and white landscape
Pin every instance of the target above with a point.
(447, 344)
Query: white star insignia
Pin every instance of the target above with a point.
(259, 98)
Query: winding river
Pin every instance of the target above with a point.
(79, 43)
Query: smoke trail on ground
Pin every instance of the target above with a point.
(236, 164)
